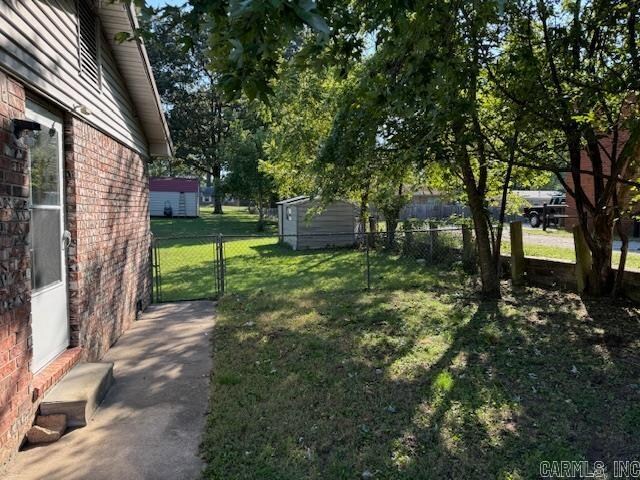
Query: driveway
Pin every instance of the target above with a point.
(149, 425)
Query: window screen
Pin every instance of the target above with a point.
(45, 247)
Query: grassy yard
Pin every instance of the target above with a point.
(235, 221)
(262, 264)
(316, 378)
(187, 263)
(419, 383)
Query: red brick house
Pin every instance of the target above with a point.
(80, 117)
(633, 227)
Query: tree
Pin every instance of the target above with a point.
(572, 68)
(299, 118)
(561, 66)
(199, 117)
(248, 55)
(244, 152)
(359, 158)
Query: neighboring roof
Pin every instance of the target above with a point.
(292, 200)
(133, 63)
(174, 184)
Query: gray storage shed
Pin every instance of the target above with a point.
(334, 226)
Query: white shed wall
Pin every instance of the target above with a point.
(289, 227)
(158, 199)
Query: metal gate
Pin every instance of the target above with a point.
(187, 268)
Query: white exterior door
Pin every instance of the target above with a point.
(49, 319)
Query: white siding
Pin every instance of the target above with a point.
(38, 45)
(158, 199)
(289, 227)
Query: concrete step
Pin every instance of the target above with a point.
(79, 393)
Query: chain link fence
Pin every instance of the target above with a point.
(186, 268)
(189, 268)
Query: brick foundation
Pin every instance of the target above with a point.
(108, 259)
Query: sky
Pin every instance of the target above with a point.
(162, 3)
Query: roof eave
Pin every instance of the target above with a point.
(152, 121)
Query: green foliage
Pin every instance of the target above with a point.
(243, 150)
(469, 96)
(198, 116)
(300, 118)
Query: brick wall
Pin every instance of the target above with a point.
(108, 217)
(108, 264)
(561, 274)
(16, 407)
(586, 180)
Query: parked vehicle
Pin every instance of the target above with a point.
(555, 210)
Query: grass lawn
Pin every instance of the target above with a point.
(419, 383)
(568, 253)
(235, 221)
(261, 264)
(316, 378)
(187, 263)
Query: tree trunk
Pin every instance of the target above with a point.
(624, 250)
(488, 267)
(217, 191)
(392, 225)
(601, 278)
(260, 226)
(260, 207)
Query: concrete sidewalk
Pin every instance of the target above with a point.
(150, 423)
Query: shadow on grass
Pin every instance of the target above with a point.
(419, 384)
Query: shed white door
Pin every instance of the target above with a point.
(49, 321)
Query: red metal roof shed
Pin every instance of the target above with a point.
(173, 184)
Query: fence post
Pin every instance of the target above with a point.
(468, 252)
(156, 270)
(583, 258)
(216, 269)
(368, 268)
(221, 264)
(433, 238)
(151, 262)
(517, 253)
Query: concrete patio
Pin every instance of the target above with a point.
(149, 424)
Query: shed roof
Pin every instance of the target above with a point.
(133, 63)
(174, 184)
(292, 200)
